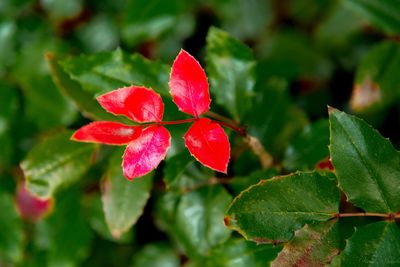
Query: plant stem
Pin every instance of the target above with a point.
(177, 122)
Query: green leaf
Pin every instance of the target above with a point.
(377, 80)
(156, 255)
(11, 235)
(291, 55)
(123, 200)
(308, 148)
(239, 252)
(157, 18)
(366, 164)
(65, 235)
(195, 219)
(272, 210)
(382, 14)
(182, 173)
(83, 100)
(273, 118)
(8, 31)
(44, 105)
(8, 113)
(377, 244)
(240, 183)
(103, 72)
(313, 245)
(55, 162)
(231, 70)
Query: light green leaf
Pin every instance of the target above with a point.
(103, 72)
(366, 164)
(377, 244)
(123, 200)
(382, 14)
(56, 162)
(156, 255)
(231, 70)
(308, 148)
(11, 235)
(195, 219)
(313, 245)
(272, 210)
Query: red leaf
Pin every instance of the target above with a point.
(137, 103)
(31, 207)
(208, 143)
(145, 153)
(107, 132)
(188, 85)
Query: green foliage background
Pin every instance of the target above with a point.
(273, 66)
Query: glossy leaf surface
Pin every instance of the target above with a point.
(308, 148)
(272, 210)
(188, 85)
(209, 144)
(102, 72)
(231, 69)
(195, 219)
(55, 162)
(107, 132)
(377, 244)
(313, 245)
(156, 255)
(123, 200)
(137, 103)
(239, 252)
(144, 154)
(366, 164)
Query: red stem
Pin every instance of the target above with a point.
(369, 214)
(176, 122)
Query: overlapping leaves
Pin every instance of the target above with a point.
(148, 146)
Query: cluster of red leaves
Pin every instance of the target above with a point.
(147, 145)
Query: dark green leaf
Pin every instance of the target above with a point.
(239, 252)
(64, 235)
(366, 164)
(123, 200)
(291, 55)
(273, 209)
(62, 9)
(182, 173)
(84, 101)
(382, 14)
(11, 235)
(308, 148)
(195, 219)
(156, 255)
(55, 162)
(313, 245)
(273, 118)
(377, 83)
(231, 70)
(245, 19)
(377, 244)
(240, 183)
(103, 72)
(8, 31)
(44, 104)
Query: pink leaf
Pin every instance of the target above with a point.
(208, 143)
(107, 132)
(145, 153)
(137, 103)
(31, 207)
(188, 85)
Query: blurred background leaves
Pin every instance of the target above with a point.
(273, 66)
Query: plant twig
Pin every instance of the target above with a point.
(255, 145)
